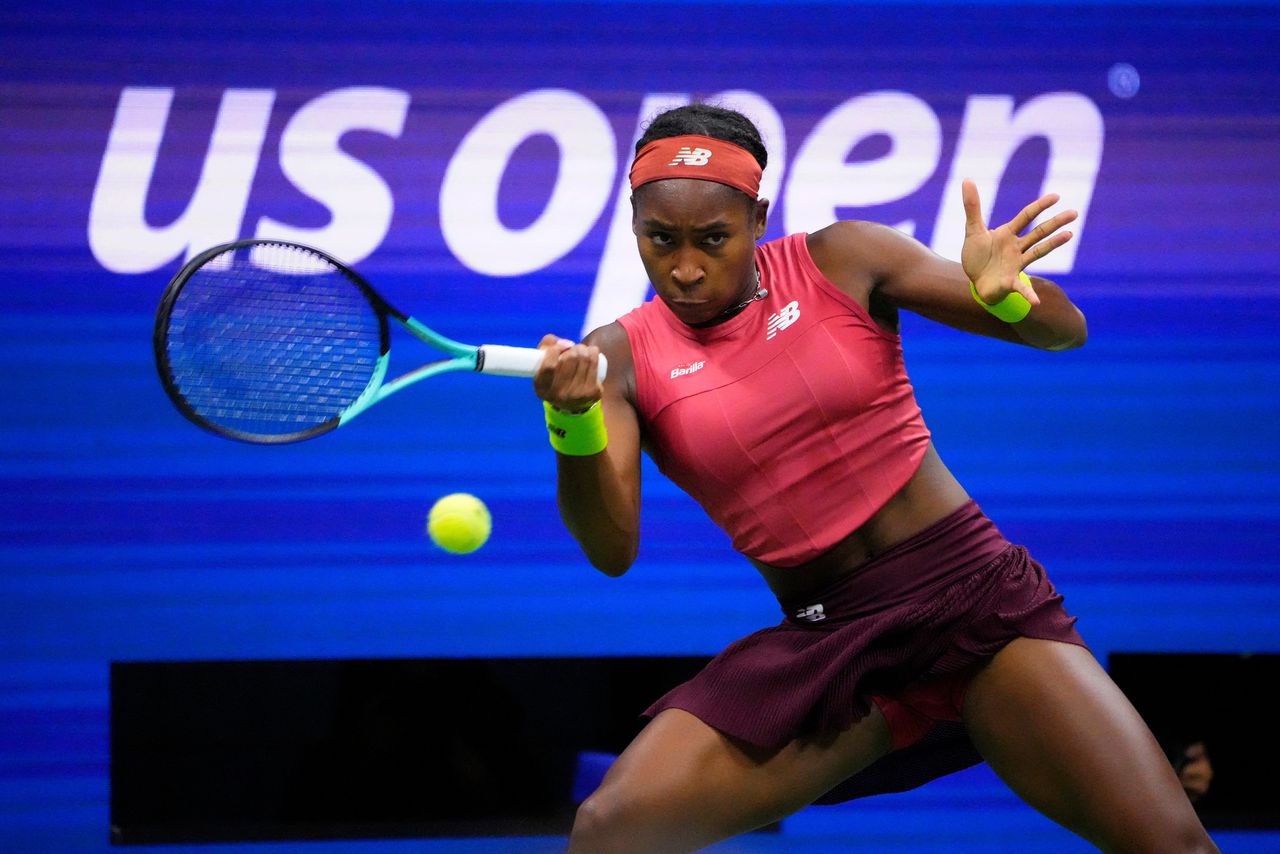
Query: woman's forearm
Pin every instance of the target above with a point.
(600, 511)
(1054, 324)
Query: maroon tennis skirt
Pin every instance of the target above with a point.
(934, 605)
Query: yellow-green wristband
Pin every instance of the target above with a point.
(576, 434)
(1012, 308)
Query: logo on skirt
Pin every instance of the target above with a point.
(811, 613)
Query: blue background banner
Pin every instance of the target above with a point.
(469, 159)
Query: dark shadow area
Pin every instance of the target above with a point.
(272, 750)
(1214, 717)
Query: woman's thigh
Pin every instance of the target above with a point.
(682, 785)
(1051, 723)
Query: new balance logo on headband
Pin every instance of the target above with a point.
(691, 157)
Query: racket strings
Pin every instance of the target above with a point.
(272, 341)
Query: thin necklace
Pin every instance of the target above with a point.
(758, 293)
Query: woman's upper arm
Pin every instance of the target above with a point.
(894, 269)
(622, 423)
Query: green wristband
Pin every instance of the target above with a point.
(576, 434)
(1012, 308)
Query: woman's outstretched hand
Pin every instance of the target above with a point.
(993, 258)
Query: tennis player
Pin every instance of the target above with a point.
(768, 382)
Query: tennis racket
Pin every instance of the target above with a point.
(270, 342)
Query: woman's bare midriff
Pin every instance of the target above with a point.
(931, 494)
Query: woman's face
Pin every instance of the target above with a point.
(697, 240)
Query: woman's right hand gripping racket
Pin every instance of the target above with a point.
(270, 342)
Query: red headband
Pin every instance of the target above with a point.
(702, 158)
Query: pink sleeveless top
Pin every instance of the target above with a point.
(790, 423)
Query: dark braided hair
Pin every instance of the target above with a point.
(707, 120)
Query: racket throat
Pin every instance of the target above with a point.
(372, 393)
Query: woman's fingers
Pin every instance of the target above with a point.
(568, 376)
(1044, 229)
(1028, 215)
(1044, 247)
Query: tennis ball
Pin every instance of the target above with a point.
(459, 523)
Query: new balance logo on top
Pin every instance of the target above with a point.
(685, 370)
(811, 613)
(691, 157)
(789, 314)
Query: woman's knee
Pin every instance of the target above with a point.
(606, 823)
(620, 819)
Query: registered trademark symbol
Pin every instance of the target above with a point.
(1123, 80)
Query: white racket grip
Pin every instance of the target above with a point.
(503, 361)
